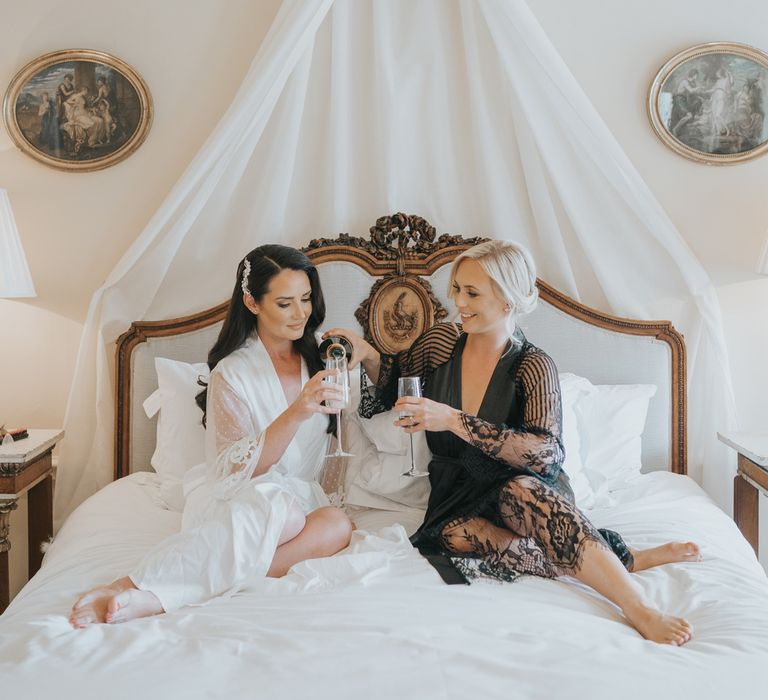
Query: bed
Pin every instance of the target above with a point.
(376, 620)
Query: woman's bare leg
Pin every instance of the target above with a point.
(326, 531)
(531, 509)
(130, 603)
(669, 553)
(121, 600)
(601, 569)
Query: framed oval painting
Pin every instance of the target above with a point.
(709, 103)
(78, 110)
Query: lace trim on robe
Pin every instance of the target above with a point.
(237, 447)
(537, 446)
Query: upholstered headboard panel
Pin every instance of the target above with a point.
(187, 347)
(604, 349)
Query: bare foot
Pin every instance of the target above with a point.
(90, 608)
(657, 627)
(665, 554)
(132, 604)
(113, 603)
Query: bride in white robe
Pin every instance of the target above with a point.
(255, 507)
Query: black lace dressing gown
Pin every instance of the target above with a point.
(516, 434)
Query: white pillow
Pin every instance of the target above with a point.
(180, 441)
(611, 421)
(382, 454)
(382, 432)
(572, 389)
(373, 476)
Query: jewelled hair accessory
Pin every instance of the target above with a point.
(246, 275)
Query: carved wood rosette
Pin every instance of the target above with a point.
(10, 468)
(397, 243)
(6, 506)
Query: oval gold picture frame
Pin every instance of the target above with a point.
(709, 103)
(78, 110)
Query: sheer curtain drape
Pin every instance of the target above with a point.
(460, 111)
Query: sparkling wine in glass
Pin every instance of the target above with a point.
(409, 386)
(340, 379)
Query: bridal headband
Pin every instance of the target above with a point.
(246, 275)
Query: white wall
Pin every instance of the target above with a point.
(193, 56)
(75, 226)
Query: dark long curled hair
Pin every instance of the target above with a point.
(266, 261)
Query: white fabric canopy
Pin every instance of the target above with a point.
(459, 111)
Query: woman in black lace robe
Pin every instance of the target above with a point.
(500, 503)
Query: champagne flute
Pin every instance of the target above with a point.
(340, 379)
(409, 386)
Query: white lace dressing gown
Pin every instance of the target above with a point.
(232, 521)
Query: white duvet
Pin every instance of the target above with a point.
(376, 621)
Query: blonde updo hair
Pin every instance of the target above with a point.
(513, 276)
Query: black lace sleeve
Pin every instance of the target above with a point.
(430, 350)
(537, 446)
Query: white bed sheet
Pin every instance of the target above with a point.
(377, 622)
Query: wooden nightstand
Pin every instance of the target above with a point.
(26, 467)
(751, 480)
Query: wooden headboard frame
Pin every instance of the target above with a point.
(405, 246)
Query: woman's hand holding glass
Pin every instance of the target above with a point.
(424, 414)
(408, 388)
(316, 391)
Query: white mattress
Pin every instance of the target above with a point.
(377, 622)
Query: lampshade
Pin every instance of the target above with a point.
(762, 263)
(15, 280)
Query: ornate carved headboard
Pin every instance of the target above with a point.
(403, 252)
(392, 286)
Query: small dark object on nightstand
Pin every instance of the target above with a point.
(15, 433)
